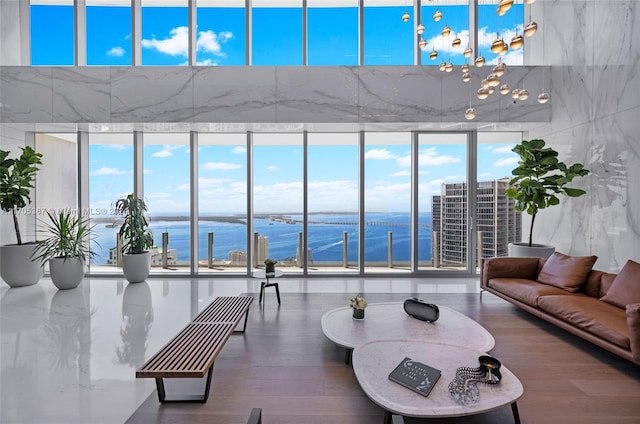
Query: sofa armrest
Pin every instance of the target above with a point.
(633, 321)
(509, 267)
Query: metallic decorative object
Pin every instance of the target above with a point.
(491, 89)
(433, 55)
(504, 89)
(504, 50)
(515, 93)
(470, 113)
(437, 16)
(530, 29)
(504, 6)
(543, 98)
(500, 68)
(466, 77)
(420, 29)
(405, 17)
(465, 67)
(516, 42)
(484, 83)
(446, 31)
(497, 45)
(422, 43)
(493, 80)
(456, 42)
(442, 65)
(523, 94)
(468, 52)
(479, 62)
(483, 93)
(448, 67)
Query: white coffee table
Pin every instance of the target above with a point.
(385, 321)
(373, 361)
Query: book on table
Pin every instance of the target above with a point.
(415, 375)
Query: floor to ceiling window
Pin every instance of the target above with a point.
(452, 24)
(221, 35)
(388, 40)
(276, 33)
(492, 27)
(165, 33)
(332, 44)
(52, 33)
(108, 33)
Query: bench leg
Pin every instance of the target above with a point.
(162, 394)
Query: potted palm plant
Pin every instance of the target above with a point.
(538, 180)
(66, 247)
(16, 181)
(136, 237)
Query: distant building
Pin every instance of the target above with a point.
(497, 222)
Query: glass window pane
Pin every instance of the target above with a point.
(332, 33)
(332, 202)
(167, 193)
(492, 27)
(165, 33)
(276, 33)
(108, 34)
(52, 34)
(277, 197)
(387, 39)
(387, 201)
(456, 19)
(221, 38)
(110, 177)
(442, 201)
(222, 196)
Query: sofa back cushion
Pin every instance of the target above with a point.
(625, 288)
(566, 272)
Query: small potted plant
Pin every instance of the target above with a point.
(538, 179)
(16, 181)
(136, 237)
(66, 247)
(358, 303)
(270, 265)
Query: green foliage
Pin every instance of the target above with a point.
(540, 177)
(134, 230)
(16, 182)
(270, 261)
(68, 236)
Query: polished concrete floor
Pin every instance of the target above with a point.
(70, 356)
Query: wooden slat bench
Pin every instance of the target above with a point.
(192, 353)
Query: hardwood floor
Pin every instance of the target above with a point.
(286, 366)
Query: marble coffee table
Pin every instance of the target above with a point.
(390, 321)
(374, 360)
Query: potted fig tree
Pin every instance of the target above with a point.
(66, 247)
(538, 180)
(136, 237)
(16, 182)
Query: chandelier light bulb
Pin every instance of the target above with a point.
(405, 17)
(529, 1)
(497, 45)
(516, 42)
(543, 98)
(433, 55)
(530, 29)
(498, 71)
(493, 80)
(523, 94)
(446, 31)
(515, 93)
(465, 67)
(504, 5)
(448, 67)
(504, 89)
(491, 89)
(484, 83)
(442, 65)
(422, 43)
(437, 16)
(483, 93)
(468, 52)
(466, 77)
(470, 113)
(456, 42)
(479, 61)
(504, 50)
(420, 29)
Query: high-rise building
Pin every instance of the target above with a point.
(497, 222)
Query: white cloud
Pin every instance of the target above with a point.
(162, 154)
(503, 149)
(209, 41)
(505, 162)
(116, 51)
(220, 166)
(177, 44)
(206, 62)
(379, 154)
(239, 150)
(401, 174)
(108, 171)
(147, 171)
(429, 157)
(273, 168)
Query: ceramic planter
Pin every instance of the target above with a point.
(16, 267)
(136, 267)
(536, 250)
(66, 274)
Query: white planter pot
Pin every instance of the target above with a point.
(66, 274)
(136, 267)
(16, 267)
(536, 250)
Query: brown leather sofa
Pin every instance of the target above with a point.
(600, 307)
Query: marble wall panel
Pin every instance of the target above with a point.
(400, 94)
(317, 94)
(234, 94)
(81, 94)
(458, 95)
(26, 94)
(535, 80)
(151, 94)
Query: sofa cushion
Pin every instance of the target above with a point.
(526, 291)
(593, 315)
(625, 288)
(566, 272)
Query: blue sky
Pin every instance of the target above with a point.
(333, 170)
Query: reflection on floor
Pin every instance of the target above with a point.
(70, 356)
